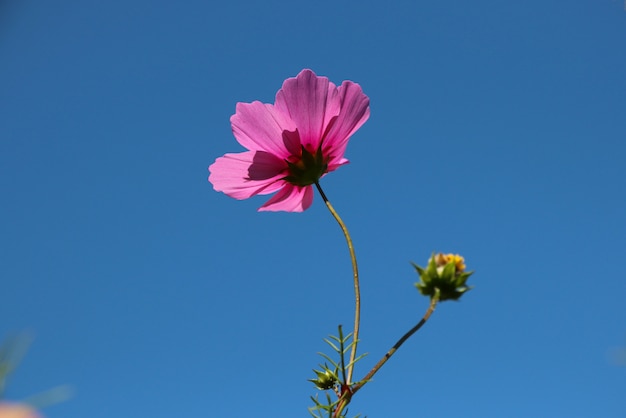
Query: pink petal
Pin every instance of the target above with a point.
(247, 174)
(260, 127)
(335, 163)
(290, 199)
(11, 410)
(310, 102)
(354, 112)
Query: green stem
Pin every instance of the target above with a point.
(341, 353)
(433, 303)
(357, 291)
(341, 405)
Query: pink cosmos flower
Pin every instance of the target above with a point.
(292, 143)
(14, 410)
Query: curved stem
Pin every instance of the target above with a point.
(357, 291)
(433, 303)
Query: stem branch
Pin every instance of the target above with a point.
(433, 303)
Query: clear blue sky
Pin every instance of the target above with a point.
(497, 130)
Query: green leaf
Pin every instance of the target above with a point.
(335, 365)
(332, 345)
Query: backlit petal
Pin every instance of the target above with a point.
(247, 174)
(260, 127)
(355, 111)
(335, 163)
(290, 199)
(310, 102)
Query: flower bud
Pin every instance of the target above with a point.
(445, 274)
(14, 410)
(326, 379)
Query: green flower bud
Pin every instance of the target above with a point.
(446, 273)
(326, 379)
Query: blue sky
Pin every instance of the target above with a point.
(497, 131)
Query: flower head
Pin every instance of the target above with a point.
(445, 275)
(292, 143)
(441, 260)
(14, 410)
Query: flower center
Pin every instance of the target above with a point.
(459, 262)
(307, 169)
